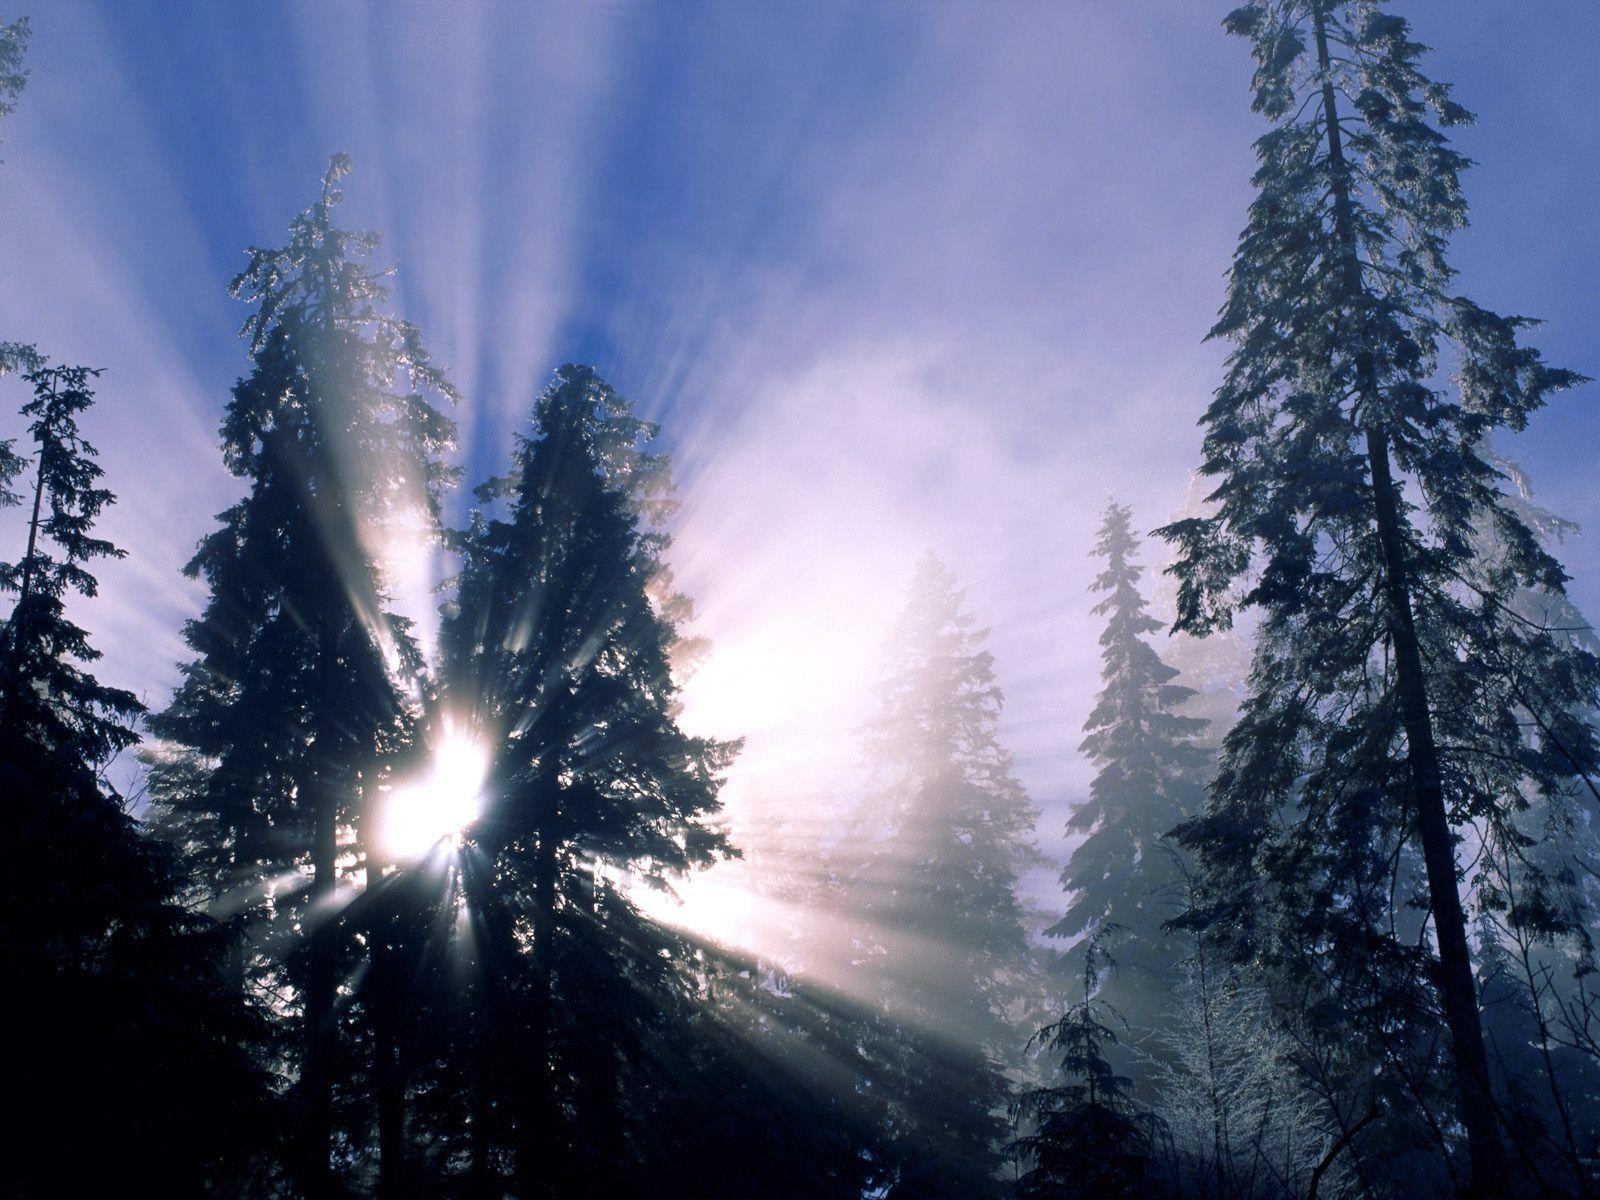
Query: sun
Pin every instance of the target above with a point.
(418, 815)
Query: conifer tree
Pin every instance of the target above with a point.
(297, 693)
(556, 658)
(1152, 776)
(940, 942)
(116, 992)
(1349, 481)
(1088, 1139)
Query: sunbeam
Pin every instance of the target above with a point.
(703, 619)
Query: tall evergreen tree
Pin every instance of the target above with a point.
(116, 993)
(1152, 776)
(556, 658)
(1088, 1139)
(940, 942)
(1381, 718)
(297, 692)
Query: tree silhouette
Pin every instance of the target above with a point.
(118, 995)
(556, 658)
(1088, 1139)
(296, 698)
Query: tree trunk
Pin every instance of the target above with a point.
(1454, 981)
(1458, 992)
(389, 971)
(539, 1162)
(11, 686)
(482, 1184)
(322, 963)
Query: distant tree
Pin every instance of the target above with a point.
(556, 659)
(940, 943)
(1382, 717)
(117, 996)
(1087, 1138)
(296, 699)
(1152, 776)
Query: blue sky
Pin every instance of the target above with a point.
(892, 275)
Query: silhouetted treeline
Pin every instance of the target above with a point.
(1326, 924)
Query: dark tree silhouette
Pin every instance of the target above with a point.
(116, 994)
(556, 658)
(1152, 776)
(1379, 722)
(296, 696)
(1088, 1139)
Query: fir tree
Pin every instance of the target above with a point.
(1377, 725)
(1152, 777)
(1088, 1139)
(116, 992)
(556, 658)
(297, 694)
(941, 943)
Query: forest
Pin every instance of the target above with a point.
(368, 903)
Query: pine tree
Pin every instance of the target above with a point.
(116, 992)
(1376, 727)
(940, 942)
(296, 700)
(556, 659)
(1152, 776)
(1088, 1138)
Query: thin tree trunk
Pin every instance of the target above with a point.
(317, 1078)
(12, 684)
(538, 1159)
(478, 1131)
(1457, 991)
(33, 521)
(388, 974)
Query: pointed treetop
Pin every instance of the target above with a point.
(46, 696)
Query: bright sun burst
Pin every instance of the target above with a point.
(418, 815)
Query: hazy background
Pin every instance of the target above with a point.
(893, 276)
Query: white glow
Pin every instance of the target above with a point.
(417, 816)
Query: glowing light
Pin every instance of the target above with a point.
(416, 817)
